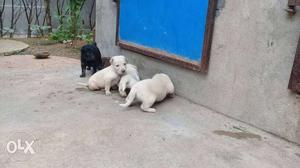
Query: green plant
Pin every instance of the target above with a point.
(39, 29)
(70, 27)
(7, 30)
(75, 7)
(61, 35)
(87, 37)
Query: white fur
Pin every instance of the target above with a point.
(130, 78)
(149, 91)
(108, 77)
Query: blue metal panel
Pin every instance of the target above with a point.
(177, 27)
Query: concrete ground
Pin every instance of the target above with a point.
(10, 47)
(73, 127)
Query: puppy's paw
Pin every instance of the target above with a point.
(107, 93)
(123, 105)
(123, 94)
(149, 110)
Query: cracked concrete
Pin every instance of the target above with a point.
(74, 127)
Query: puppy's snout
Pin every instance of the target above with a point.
(123, 71)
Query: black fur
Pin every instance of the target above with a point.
(90, 58)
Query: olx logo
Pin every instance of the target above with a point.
(21, 146)
(24, 146)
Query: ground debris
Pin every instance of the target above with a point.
(238, 135)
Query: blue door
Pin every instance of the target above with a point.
(175, 27)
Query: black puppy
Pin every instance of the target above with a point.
(90, 57)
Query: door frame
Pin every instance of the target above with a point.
(201, 66)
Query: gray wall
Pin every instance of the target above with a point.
(251, 59)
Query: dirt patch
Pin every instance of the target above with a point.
(53, 47)
(38, 45)
(70, 92)
(238, 135)
(82, 89)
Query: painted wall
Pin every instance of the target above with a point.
(251, 59)
(160, 25)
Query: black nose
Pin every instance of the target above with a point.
(123, 71)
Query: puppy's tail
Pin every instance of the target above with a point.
(83, 84)
(130, 98)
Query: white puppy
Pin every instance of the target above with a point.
(130, 78)
(108, 77)
(149, 91)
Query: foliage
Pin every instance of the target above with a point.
(39, 19)
(63, 35)
(71, 27)
(8, 30)
(37, 29)
(87, 37)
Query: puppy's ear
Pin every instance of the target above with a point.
(111, 60)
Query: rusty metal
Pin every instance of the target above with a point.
(208, 34)
(294, 2)
(291, 9)
(294, 83)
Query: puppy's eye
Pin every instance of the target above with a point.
(124, 63)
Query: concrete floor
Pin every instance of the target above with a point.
(73, 127)
(10, 47)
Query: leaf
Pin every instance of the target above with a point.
(8, 30)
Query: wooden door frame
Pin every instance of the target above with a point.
(294, 83)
